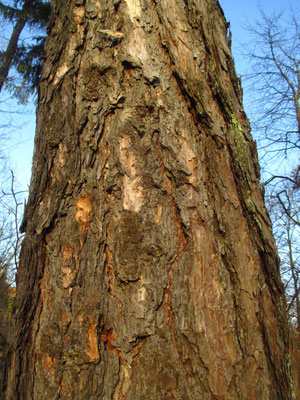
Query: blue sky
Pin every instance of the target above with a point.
(240, 12)
(237, 12)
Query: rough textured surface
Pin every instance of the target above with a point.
(149, 268)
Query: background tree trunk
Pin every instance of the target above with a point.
(11, 50)
(149, 269)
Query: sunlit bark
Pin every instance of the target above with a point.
(149, 270)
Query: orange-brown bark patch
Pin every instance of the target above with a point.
(68, 277)
(80, 318)
(49, 362)
(83, 214)
(65, 318)
(62, 151)
(93, 343)
(112, 278)
(108, 337)
(67, 253)
(78, 14)
(158, 214)
(70, 262)
(62, 383)
(46, 295)
(193, 164)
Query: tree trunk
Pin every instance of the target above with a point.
(13, 43)
(11, 50)
(149, 270)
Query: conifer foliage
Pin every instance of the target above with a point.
(24, 57)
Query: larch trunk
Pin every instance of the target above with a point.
(149, 270)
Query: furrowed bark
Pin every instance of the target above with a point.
(149, 269)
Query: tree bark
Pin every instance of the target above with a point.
(149, 269)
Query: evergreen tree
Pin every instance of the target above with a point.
(24, 57)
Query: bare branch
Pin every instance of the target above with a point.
(286, 210)
(281, 177)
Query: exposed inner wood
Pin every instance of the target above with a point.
(149, 270)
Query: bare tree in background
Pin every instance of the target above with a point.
(274, 80)
(284, 211)
(10, 236)
(10, 242)
(274, 87)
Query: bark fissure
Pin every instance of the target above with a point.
(160, 264)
